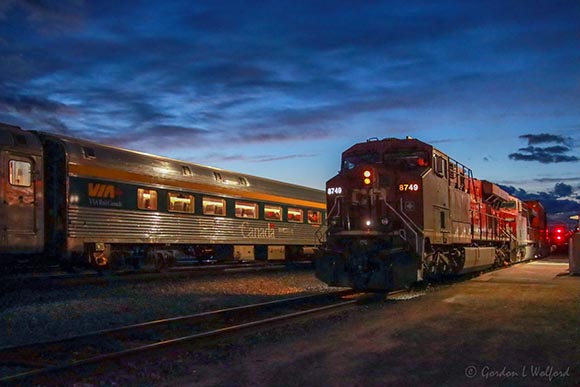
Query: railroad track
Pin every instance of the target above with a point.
(51, 279)
(40, 362)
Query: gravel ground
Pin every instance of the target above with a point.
(31, 315)
(514, 327)
(517, 327)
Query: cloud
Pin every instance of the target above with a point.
(562, 189)
(159, 137)
(28, 104)
(265, 158)
(544, 138)
(547, 154)
(48, 16)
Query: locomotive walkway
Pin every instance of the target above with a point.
(519, 326)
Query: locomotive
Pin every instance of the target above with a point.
(75, 202)
(400, 211)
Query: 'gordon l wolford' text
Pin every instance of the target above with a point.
(548, 372)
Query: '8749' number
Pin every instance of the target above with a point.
(408, 187)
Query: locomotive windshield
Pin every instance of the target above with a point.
(407, 159)
(351, 161)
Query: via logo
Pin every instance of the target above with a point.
(103, 191)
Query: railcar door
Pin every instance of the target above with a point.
(18, 216)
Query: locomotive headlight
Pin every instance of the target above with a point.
(367, 177)
(368, 223)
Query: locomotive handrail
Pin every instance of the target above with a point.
(336, 199)
(417, 249)
(408, 218)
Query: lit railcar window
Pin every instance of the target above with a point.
(246, 210)
(20, 173)
(314, 217)
(272, 212)
(179, 202)
(214, 206)
(295, 215)
(146, 199)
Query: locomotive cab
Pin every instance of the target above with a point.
(375, 215)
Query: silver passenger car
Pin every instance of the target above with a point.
(107, 205)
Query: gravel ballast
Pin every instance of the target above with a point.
(31, 315)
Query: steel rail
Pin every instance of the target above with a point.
(40, 370)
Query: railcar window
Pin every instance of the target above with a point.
(272, 212)
(179, 202)
(295, 215)
(351, 161)
(20, 173)
(146, 199)
(314, 217)
(89, 153)
(246, 210)
(214, 206)
(186, 171)
(407, 159)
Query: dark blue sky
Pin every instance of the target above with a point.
(280, 88)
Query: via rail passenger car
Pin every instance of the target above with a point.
(401, 210)
(77, 202)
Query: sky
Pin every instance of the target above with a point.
(279, 89)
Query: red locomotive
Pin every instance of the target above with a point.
(400, 211)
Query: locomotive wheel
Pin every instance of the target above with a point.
(501, 257)
(435, 263)
(457, 260)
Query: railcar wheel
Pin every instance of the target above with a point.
(160, 262)
(117, 260)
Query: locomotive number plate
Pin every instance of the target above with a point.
(409, 187)
(334, 190)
